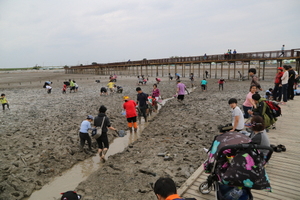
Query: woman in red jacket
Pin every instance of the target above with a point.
(130, 108)
(277, 92)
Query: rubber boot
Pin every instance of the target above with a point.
(135, 130)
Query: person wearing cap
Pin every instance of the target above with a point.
(142, 102)
(262, 110)
(254, 81)
(277, 92)
(102, 141)
(130, 108)
(83, 132)
(237, 116)
(70, 195)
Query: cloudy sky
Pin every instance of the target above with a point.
(72, 32)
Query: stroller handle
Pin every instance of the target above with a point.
(247, 146)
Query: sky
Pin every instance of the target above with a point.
(74, 32)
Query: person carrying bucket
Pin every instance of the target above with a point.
(130, 108)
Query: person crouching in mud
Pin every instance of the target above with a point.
(102, 141)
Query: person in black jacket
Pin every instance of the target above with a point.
(102, 141)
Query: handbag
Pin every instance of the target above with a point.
(97, 132)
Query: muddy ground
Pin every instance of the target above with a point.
(39, 135)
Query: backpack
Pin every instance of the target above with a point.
(275, 108)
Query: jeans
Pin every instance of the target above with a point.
(284, 92)
(277, 92)
(245, 108)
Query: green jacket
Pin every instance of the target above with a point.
(262, 109)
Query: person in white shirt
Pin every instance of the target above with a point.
(284, 82)
(48, 88)
(237, 116)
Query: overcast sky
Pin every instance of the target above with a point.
(72, 32)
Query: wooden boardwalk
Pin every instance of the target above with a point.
(283, 168)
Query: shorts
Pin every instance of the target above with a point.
(103, 90)
(131, 119)
(180, 97)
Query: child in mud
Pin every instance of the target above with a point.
(110, 86)
(203, 85)
(221, 83)
(64, 89)
(102, 141)
(76, 86)
(4, 101)
(103, 91)
(83, 132)
(72, 85)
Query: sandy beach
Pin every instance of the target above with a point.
(40, 133)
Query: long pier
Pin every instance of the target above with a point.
(220, 62)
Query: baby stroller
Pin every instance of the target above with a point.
(236, 166)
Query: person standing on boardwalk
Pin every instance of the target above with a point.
(282, 51)
(277, 92)
(130, 108)
(4, 101)
(291, 82)
(254, 81)
(284, 81)
(142, 102)
(102, 141)
(83, 132)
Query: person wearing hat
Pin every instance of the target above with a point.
(83, 132)
(263, 110)
(70, 195)
(130, 108)
(277, 92)
(102, 141)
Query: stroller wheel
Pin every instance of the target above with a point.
(204, 189)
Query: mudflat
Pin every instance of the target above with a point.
(39, 134)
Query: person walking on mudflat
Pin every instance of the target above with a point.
(181, 88)
(84, 134)
(254, 81)
(102, 141)
(130, 108)
(4, 101)
(142, 102)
